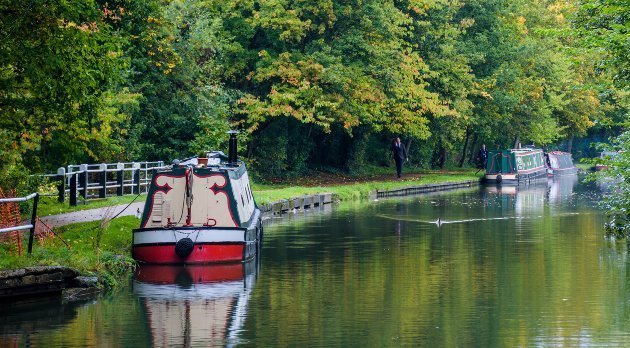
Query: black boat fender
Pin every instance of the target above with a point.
(184, 247)
(499, 179)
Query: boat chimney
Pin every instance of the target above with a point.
(232, 155)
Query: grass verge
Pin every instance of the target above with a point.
(266, 194)
(108, 258)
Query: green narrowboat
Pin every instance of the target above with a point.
(515, 166)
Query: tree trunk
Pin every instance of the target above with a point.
(442, 156)
(473, 144)
(250, 148)
(517, 142)
(407, 147)
(570, 143)
(461, 160)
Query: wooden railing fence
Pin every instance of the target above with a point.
(102, 180)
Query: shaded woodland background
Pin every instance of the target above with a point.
(312, 85)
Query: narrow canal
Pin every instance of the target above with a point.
(504, 267)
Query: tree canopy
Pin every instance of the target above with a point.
(311, 84)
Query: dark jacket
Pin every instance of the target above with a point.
(399, 151)
(482, 157)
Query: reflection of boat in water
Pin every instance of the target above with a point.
(515, 166)
(195, 305)
(522, 199)
(561, 187)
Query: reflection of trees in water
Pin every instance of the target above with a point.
(351, 281)
(19, 320)
(461, 285)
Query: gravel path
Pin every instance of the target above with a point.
(91, 214)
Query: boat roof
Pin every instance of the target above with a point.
(217, 162)
(521, 150)
(196, 165)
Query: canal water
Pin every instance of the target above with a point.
(525, 266)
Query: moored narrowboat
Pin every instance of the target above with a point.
(560, 163)
(515, 166)
(199, 214)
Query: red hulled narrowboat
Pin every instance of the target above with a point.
(560, 163)
(197, 213)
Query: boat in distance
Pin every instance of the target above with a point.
(560, 163)
(515, 166)
(196, 213)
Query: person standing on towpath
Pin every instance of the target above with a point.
(400, 154)
(482, 156)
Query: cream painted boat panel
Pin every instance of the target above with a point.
(211, 202)
(167, 201)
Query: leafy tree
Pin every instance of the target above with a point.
(603, 27)
(57, 61)
(604, 24)
(437, 37)
(344, 66)
(617, 201)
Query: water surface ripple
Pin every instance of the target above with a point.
(487, 266)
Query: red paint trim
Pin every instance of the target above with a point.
(531, 170)
(154, 184)
(202, 253)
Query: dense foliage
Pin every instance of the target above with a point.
(604, 26)
(616, 177)
(321, 84)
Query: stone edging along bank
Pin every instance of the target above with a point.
(40, 280)
(310, 201)
(411, 190)
(299, 203)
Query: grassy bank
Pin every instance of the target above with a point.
(85, 247)
(355, 190)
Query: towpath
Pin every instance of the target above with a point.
(321, 179)
(91, 214)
